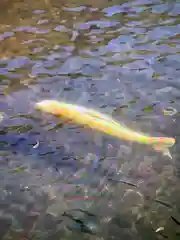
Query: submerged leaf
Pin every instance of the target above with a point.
(148, 109)
(159, 229)
(20, 128)
(36, 145)
(18, 169)
(170, 111)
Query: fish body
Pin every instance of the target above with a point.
(103, 123)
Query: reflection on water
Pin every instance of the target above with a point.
(119, 57)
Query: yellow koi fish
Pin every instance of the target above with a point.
(103, 123)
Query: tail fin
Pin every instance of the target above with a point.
(162, 144)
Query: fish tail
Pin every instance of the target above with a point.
(162, 144)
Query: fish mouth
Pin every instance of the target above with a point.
(49, 106)
(45, 106)
(37, 105)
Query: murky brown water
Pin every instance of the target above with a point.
(119, 57)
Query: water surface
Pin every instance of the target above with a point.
(119, 57)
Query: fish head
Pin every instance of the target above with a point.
(49, 106)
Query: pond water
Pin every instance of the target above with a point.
(62, 181)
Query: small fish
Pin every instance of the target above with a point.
(103, 123)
